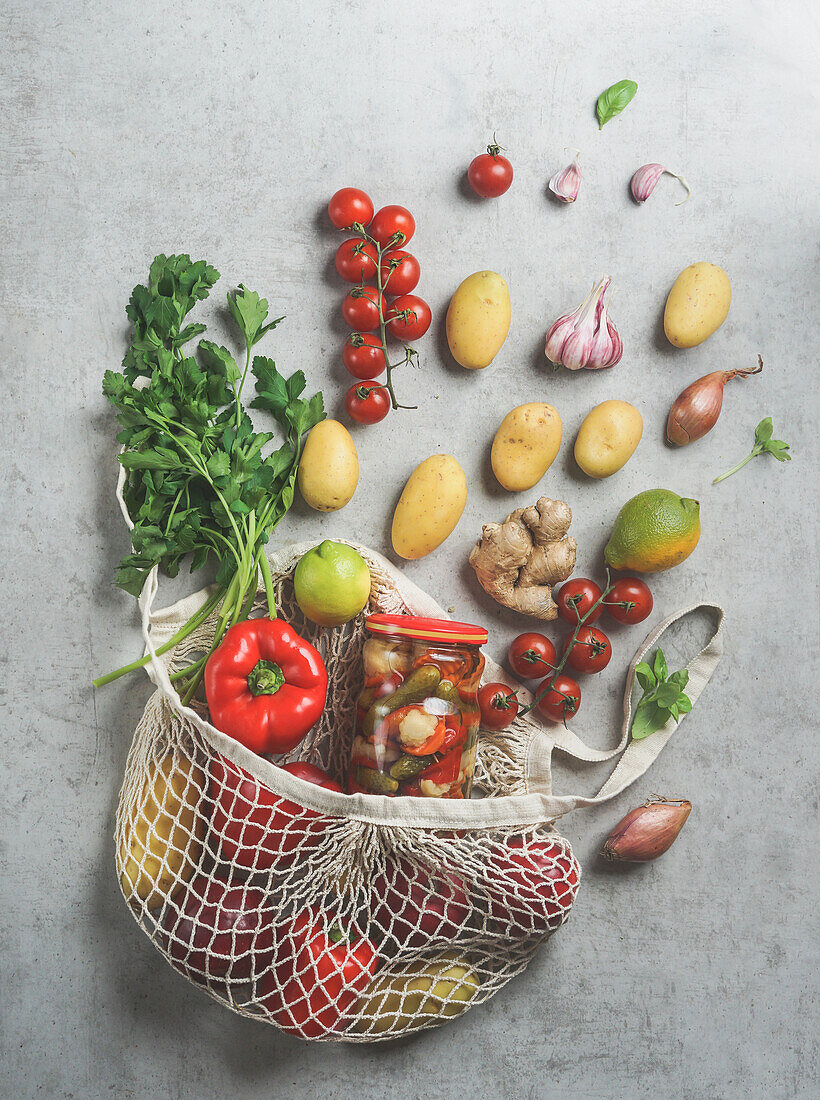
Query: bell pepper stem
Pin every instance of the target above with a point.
(266, 677)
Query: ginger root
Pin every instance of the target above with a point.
(518, 561)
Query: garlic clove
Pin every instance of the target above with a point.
(617, 345)
(601, 347)
(575, 352)
(645, 180)
(556, 337)
(561, 329)
(566, 184)
(613, 344)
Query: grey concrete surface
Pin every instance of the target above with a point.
(222, 129)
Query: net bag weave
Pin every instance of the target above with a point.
(346, 917)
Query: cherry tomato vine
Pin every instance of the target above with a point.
(570, 702)
(377, 251)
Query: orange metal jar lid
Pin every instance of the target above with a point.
(427, 630)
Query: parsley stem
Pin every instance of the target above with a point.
(264, 565)
(196, 620)
(228, 606)
(238, 392)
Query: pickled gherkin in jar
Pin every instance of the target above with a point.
(417, 716)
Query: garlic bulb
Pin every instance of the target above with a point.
(644, 181)
(566, 184)
(586, 338)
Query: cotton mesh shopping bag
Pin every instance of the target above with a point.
(348, 917)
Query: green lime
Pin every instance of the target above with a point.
(655, 530)
(332, 583)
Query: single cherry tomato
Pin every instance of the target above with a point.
(392, 226)
(490, 174)
(356, 260)
(400, 272)
(630, 601)
(360, 308)
(498, 706)
(532, 656)
(576, 597)
(408, 317)
(348, 206)
(592, 650)
(367, 402)
(562, 701)
(363, 355)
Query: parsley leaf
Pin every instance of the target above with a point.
(250, 312)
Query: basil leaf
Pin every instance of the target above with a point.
(684, 703)
(661, 671)
(778, 448)
(645, 676)
(763, 432)
(667, 695)
(649, 718)
(614, 99)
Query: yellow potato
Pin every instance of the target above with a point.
(162, 839)
(697, 305)
(430, 506)
(478, 319)
(608, 437)
(428, 989)
(525, 446)
(329, 467)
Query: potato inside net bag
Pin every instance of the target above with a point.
(332, 916)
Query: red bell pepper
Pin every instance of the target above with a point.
(265, 685)
(455, 732)
(319, 972)
(257, 828)
(412, 906)
(534, 883)
(444, 770)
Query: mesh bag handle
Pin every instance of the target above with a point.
(638, 756)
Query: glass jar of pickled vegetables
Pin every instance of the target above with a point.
(417, 715)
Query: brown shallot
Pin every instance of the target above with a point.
(647, 831)
(696, 410)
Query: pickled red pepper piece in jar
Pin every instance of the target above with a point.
(417, 715)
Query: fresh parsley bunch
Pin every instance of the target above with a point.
(663, 696)
(199, 482)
